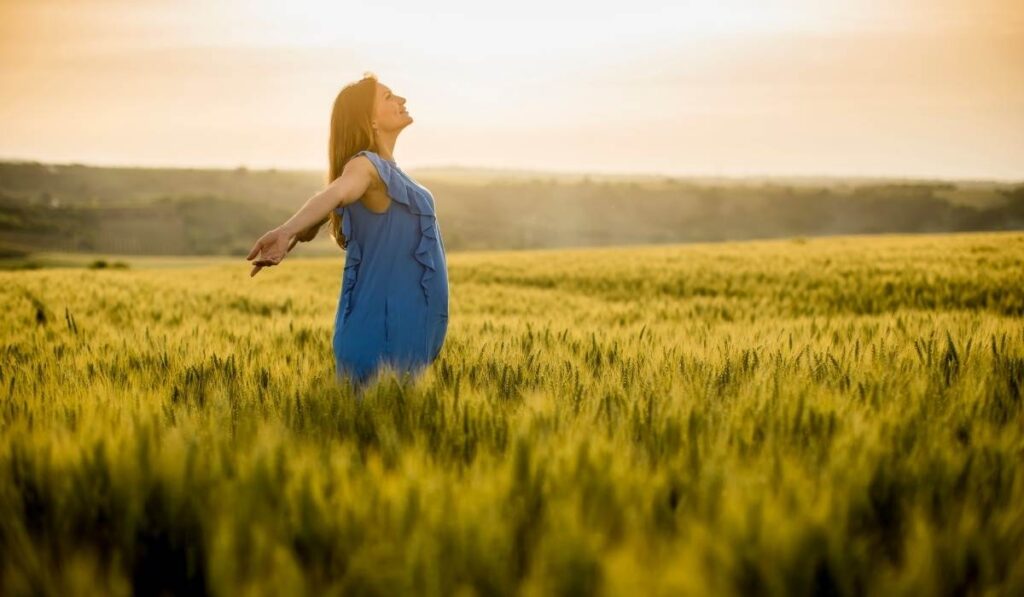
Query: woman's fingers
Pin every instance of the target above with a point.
(260, 264)
(268, 259)
(266, 241)
(255, 249)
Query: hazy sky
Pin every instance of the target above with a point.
(722, 87)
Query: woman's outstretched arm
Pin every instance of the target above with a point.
(272, 247)
(346, 189)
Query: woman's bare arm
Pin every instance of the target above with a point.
(346, 189)
(272, 247)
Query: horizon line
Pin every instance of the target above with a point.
(541, 171)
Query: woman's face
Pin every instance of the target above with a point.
(391, 113)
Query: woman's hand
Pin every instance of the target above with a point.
(271, 249)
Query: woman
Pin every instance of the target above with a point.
(393, 307)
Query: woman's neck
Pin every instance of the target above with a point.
(386, 148)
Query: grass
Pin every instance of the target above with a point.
(829, 416)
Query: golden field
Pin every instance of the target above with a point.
(830, 416)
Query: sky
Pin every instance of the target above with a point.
(905, 88)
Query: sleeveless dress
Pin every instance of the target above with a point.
(393, 306)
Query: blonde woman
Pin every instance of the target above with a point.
(393, 307)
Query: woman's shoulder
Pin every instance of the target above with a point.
(371, 160)
(372, 156)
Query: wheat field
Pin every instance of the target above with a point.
(833, 416)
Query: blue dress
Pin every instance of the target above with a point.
(393, 306)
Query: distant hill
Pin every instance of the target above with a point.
(76, 184)
(175, 211)
(190, 225)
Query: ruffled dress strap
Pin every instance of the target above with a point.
(403, 190)
(353, 255)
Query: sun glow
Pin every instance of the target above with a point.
(909, 87)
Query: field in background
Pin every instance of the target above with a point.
(837, 416)
(46, 259)
(153, 211)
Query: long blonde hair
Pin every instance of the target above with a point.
(351, 132)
